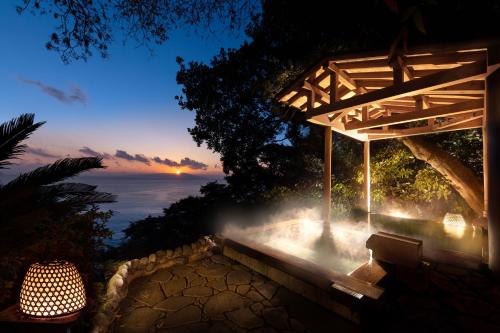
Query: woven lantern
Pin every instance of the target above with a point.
(52, 289)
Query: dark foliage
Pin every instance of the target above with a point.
(42, 218)
(182, 223)
(269, 153)
(84, 27)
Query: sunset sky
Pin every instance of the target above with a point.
(122, 108)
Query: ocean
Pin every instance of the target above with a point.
(140, 195)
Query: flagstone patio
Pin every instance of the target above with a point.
(219, 295)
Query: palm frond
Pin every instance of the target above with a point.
(12, 133)
(67, 189)
(52, 173)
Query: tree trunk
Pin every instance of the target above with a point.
(464, 180)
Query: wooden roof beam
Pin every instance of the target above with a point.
(324, 97)
(439, 111)
(474, 123)
(410, 88)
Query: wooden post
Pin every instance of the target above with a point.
(367, 183)
(493, 165)
(367, 180)
(483, 231)
(327, 182)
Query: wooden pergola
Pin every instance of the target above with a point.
(426, 90)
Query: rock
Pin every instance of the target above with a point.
(223, 302)
(134, 263)
(257, 308)
(143, 262)
(152, 258)
(162, 275)
(276, 317)
(173, 287)
(238, 277)
(255, 296)
(186, 250)
(217, 284)
(150, 267)
(187, 315)
(146, 292)
(245, 318)
(169, 253)
(196, 280)
(263, 330)
(219, 327)
(178, 252)
(267, 289)
(174, 303)
(182, 270)
(199, 291)
(160, 253)
(123, 271)
(141, 318)
(213, 270)
(243, 289)
(180, 260)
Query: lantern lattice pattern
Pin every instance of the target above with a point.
(52, 289)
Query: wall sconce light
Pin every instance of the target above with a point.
(52, 289)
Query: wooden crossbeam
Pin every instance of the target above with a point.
(374, 83)
(459, 120)
(295, 97)
(439, 111)
(472, 87)
(440, 59)
(419, 86)
(324, 97)
(373, 135)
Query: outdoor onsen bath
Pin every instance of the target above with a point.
(341, 262)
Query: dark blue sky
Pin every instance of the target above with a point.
(125, 102)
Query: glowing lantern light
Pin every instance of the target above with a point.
(52, 289)
(454, 225)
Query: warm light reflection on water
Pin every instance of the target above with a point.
(398, 213)
(300, 237)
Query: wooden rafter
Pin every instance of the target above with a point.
(430, 89)
(410, 88)
(439, 111)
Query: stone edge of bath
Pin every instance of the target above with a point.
(117, 286)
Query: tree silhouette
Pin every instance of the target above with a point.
(84, 27)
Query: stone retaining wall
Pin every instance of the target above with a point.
(117, 286)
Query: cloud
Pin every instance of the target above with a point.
(192, 164)
(166, 161)
(40, 152)
(74, 95)
(138, 157)
(185, 162)
(90, 152)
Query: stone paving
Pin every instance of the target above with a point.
(219, 295)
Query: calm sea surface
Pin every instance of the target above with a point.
(140, 195)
